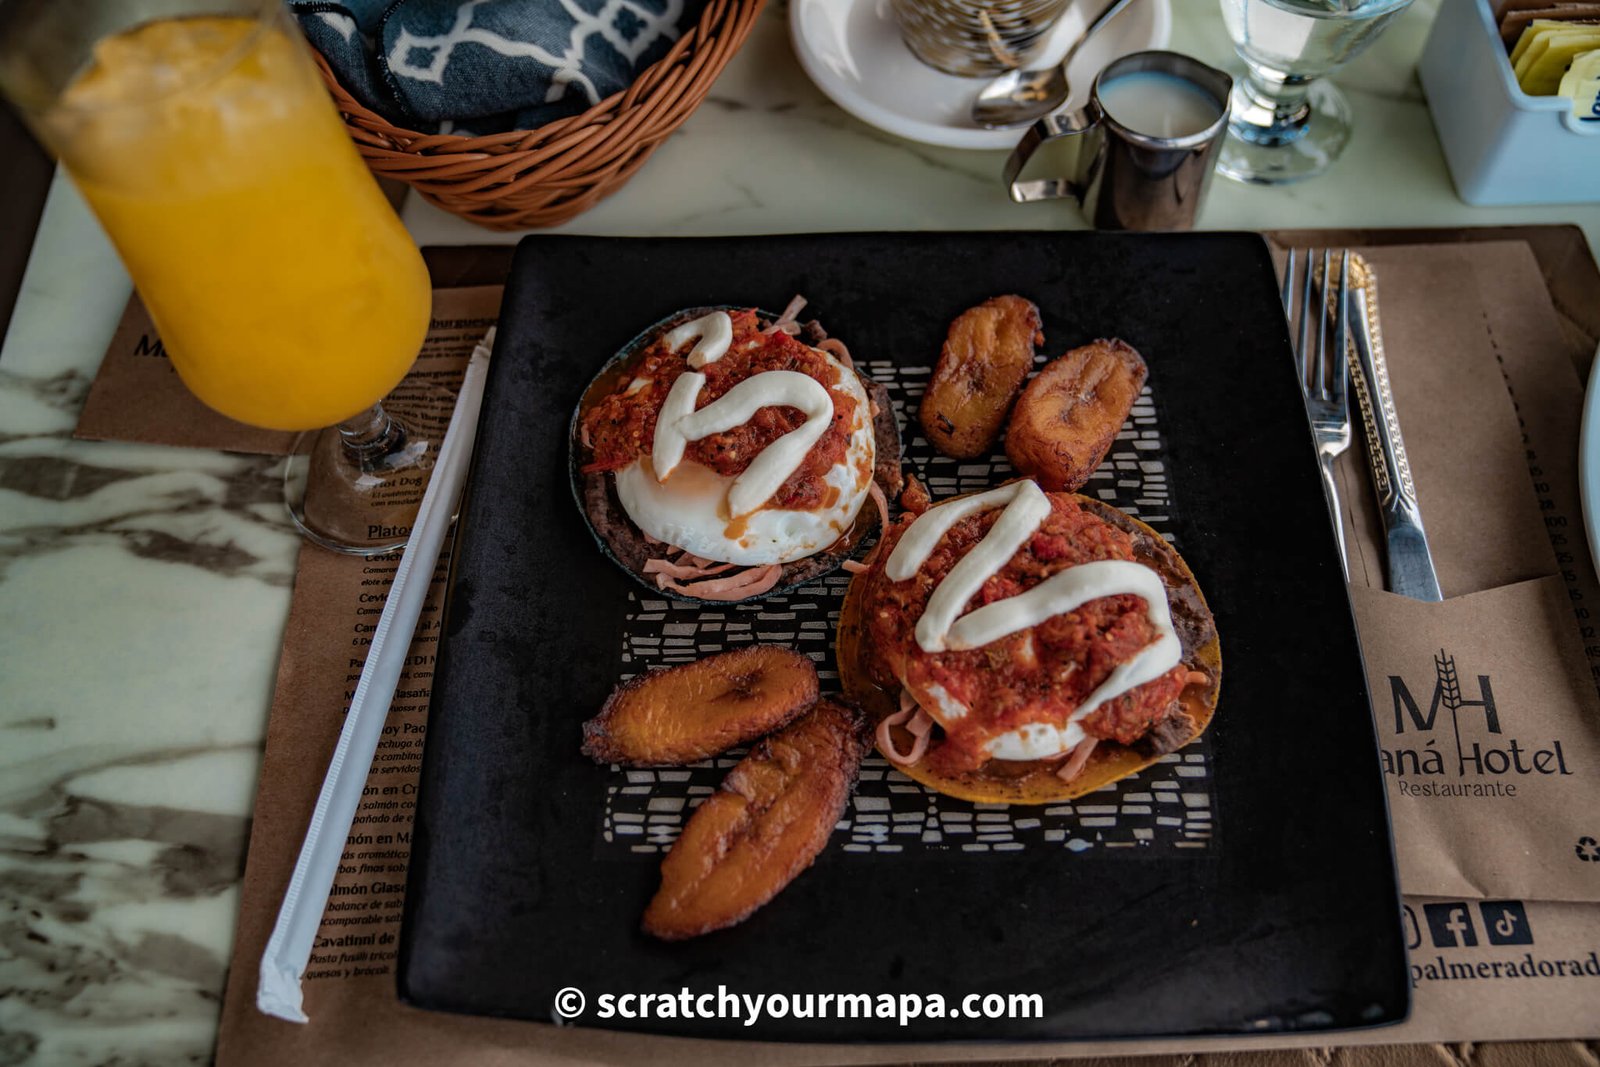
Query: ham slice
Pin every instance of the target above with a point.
(688, 558)
(838, 350)
(882, 502)
(875, 491)
(787, 321)
(916, 721)
(1077, 760)
(752, 581)
(666, 569)
(680, 566)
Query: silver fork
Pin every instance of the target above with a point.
(1324, 380)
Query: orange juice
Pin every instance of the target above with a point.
(285, 289)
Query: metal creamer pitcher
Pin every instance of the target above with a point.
(1123, 178)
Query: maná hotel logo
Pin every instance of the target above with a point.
(1454, 742)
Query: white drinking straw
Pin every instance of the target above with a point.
(283, 964)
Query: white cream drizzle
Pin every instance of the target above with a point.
(690, 509)
(678, 423)
(918, 544)
(1069, 590)
(939, 629)
(712, 333)
(666, 449)
(1026, 508)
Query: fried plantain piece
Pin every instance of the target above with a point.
(768, 822)
(699, 709)
(1070, 413)
(986, 357)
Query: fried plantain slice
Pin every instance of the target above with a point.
(986, 357)
(1070, 413)
(699, 709)
(772, 816)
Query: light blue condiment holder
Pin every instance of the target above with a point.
(1503, 146)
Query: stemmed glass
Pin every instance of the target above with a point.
(284, 288)
(1287, 122)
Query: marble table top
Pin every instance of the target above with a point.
(144, 589)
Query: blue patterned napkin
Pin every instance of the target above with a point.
(484, 66)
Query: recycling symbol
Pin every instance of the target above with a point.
(1588, 850)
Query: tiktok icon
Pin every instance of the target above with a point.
(1505, 922)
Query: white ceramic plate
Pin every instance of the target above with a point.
(1589, 463)
(852, 50)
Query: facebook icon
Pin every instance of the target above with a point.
(1450, 925)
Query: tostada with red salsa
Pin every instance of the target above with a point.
(728, 453)
(1024, 646)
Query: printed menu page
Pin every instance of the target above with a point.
(361, 924)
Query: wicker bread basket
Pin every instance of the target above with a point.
(528, 178)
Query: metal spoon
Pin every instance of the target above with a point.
(1018, 97)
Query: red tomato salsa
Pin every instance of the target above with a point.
(621, 427)
(1037, 675)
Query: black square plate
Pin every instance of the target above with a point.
(1245, 884)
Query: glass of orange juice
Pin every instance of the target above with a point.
(284, 288)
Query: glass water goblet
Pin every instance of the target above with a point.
(1287, 120)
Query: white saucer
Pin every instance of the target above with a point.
(852, 50)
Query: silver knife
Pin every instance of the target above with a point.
(1411, 570)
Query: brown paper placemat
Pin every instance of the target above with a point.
(1483, 969)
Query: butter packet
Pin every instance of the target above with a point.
(1581, 83)
(1545, 49)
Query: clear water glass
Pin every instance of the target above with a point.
(1288, 121)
